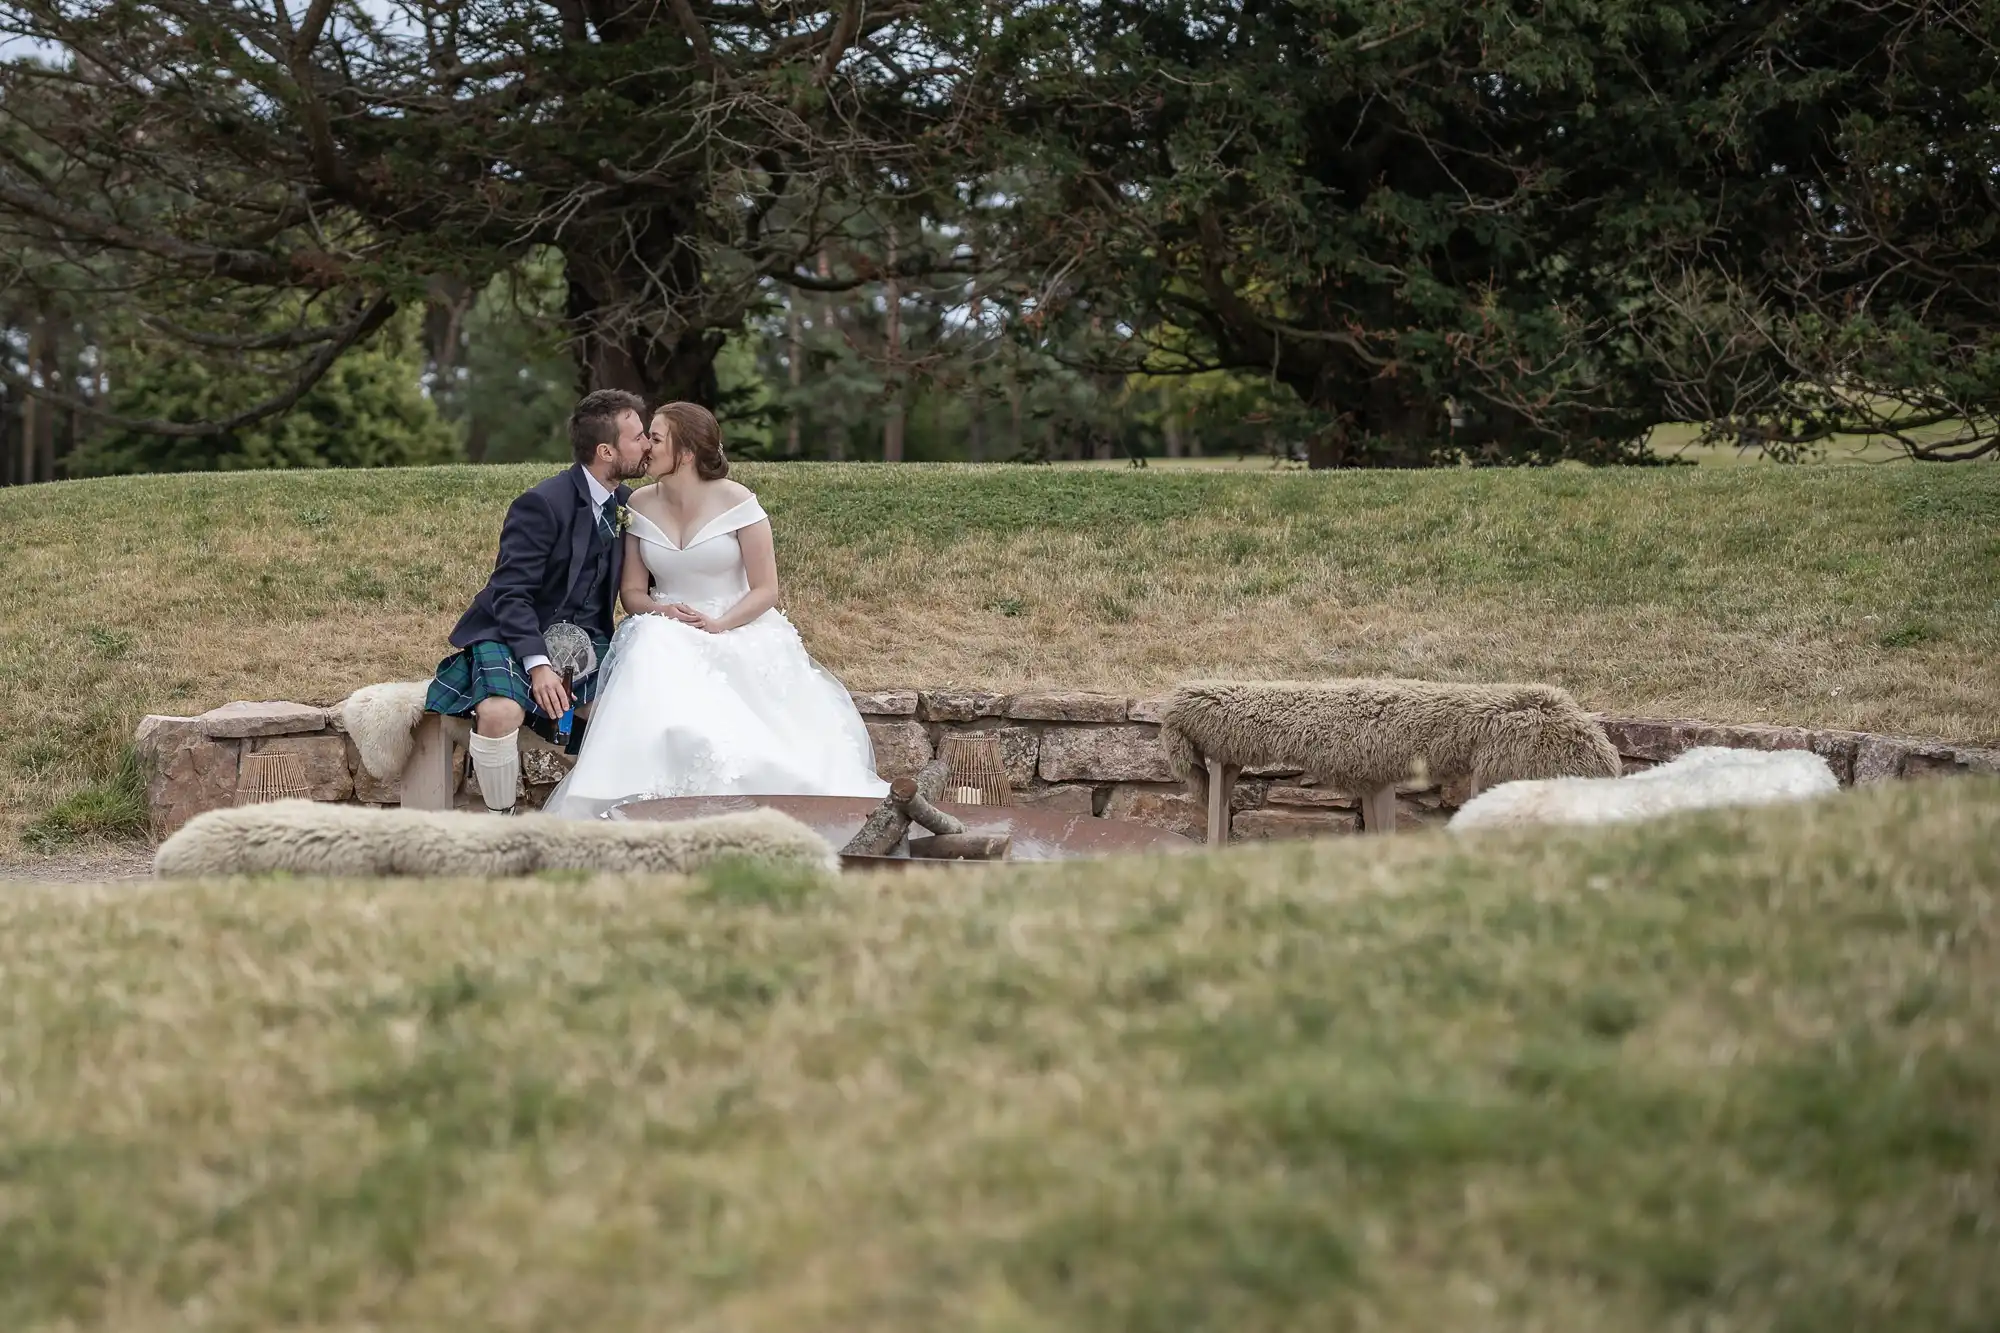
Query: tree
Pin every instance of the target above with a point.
(1871, 303)
(214, 162)
(368, 410)
(35, 343)
(48, 340)
(1468, 231)
(499, 367)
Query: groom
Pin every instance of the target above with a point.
(560, 558)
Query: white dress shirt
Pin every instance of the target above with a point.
(599, 493)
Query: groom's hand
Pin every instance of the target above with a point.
(547, 687)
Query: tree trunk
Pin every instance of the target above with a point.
(613, 307)
(1391, 425)
(23, 453)
(682, 371)
(795, 371)
(1405, 429)
(1326, 449)
(836, 442)
(446, 304)
(32, 408)
(1170, 426)
(976, 431)
(9, 413)
(53, 377)
(892, 299)
(892, 429)
(67, 446)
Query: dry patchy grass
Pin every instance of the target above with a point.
(1737, 1072)
(1842, 596)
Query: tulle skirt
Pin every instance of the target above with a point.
(682, 712)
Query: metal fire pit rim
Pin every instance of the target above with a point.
(1036, 829)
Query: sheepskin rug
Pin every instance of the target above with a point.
(1699, 779)
(382, 720)
(1363, 735)
(310, 838)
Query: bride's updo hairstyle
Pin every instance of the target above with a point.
(692, 431)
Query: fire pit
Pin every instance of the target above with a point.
(1038, 835)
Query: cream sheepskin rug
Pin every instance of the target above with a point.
(1699, 779)
(310, 838)
(382, 720)
(1362, 735)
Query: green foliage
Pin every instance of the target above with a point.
(746, 403)
(1405, 231)
(977, 392)
(675, 160)
(1465, 232)
(369, 410)
(114, 808)
(514, 391)
(513, 380)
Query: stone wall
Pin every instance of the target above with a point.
(1067, 749)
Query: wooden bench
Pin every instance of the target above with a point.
(1369, 736)
(429, 780)
(1378, 808)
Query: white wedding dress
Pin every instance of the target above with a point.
(682, 712)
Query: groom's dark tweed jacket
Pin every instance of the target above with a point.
(545, 548)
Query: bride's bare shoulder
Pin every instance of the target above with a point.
(651, 501)
(734, 492)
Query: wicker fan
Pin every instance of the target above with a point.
(975, 762)
(271, 777)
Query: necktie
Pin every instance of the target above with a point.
(607, 517)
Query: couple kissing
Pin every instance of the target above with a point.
(705, 688)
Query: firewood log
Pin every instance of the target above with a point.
(962, 847)
(891, 819)
(930, 817)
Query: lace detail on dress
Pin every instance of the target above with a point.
(682, 712)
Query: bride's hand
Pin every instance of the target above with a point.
(706, 624)
(680, 611)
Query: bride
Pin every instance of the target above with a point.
(707, 690)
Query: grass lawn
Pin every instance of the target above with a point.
(1852, 596)
(1736, 1072)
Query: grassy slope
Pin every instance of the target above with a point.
(1847, 596)
(1734, 1073)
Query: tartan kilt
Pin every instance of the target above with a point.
(486, 669)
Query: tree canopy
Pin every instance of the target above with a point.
(1505, 231)
(1537, 227)
(212, 159)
